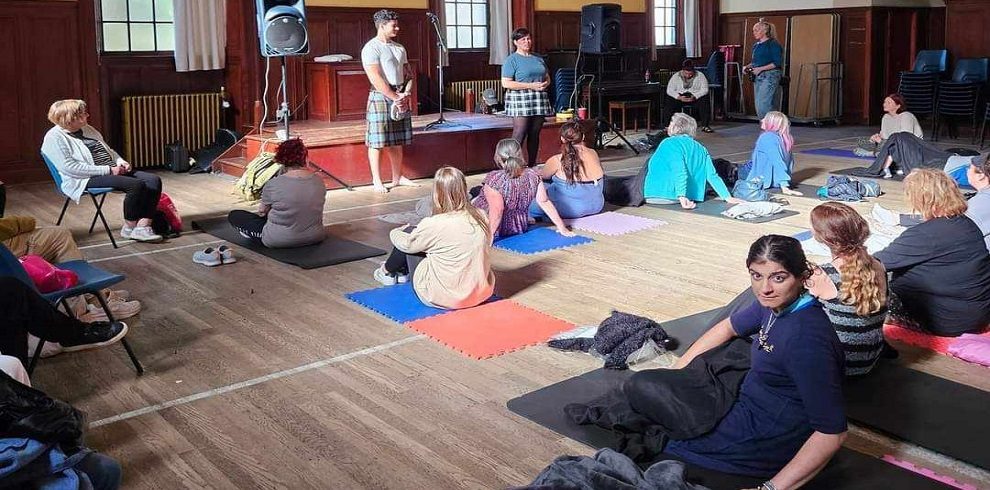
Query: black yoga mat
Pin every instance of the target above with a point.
(689, 328)
(714, 207)
(848, 469)
(333, 250)
(927, 410)
(857, 172)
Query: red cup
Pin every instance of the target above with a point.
(582, 113)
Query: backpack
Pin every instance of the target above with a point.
(727, 171)
(750, 190)
(166, 220)
(258, 172)
(842, 188)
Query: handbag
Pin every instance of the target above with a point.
(45, 276)
(750, 190)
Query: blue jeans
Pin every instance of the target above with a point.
(764, 90)
(103, 471)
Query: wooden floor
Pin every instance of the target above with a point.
(261, 375)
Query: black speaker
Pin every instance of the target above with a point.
(282, 28)
(600, 28)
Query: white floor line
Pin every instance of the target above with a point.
(159, 250)
(251, 382)
(914, 451)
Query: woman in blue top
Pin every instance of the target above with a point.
(789, 419)
(766, 67)
(525, 78)
(681, 167)
(576, 177)
(771, 160)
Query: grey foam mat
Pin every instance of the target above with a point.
(713, 207)
(333, 250)
(848, 470)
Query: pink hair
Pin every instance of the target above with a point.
(778, 123)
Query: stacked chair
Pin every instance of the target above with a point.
(563, 87)
(983, 127)
(959, 96)
(920, 85)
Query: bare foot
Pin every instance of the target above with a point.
(403, 182)
(380, 188)
(791, 192)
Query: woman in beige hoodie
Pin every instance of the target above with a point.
(453, 248)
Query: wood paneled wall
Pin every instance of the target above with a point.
(966, 33)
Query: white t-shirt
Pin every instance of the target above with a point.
(391, 56)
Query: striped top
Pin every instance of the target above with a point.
(861, 336)
(101, 156)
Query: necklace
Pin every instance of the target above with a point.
(762, 339)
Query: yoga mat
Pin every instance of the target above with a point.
(835, 152)
(398, 303)
(613, 224)
(714, 208)
(491, 329)
(923, 409)
(851, 171)
(847, 470)
(690, 328)
(807, 190)
(332, 250)
(537, 240)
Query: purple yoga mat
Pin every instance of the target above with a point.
(613, 224)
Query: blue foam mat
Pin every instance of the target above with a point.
(398, 303)
(835, 152)
(536, 240)
(804, 235)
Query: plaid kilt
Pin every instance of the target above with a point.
(382, 130)
(520, 103)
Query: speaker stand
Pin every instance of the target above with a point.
(441, 123)
(604, 126)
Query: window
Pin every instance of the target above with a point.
(665, 22)
(467, 23)
(137, 25)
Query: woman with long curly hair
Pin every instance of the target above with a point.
(852, 287)
(576, 177)
(291, 209)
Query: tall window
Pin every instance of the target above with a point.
(467, 23)
(137, 25)
(665, 22)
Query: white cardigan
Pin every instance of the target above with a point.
(73, 160)
(699, 86)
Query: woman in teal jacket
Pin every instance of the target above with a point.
(681, 167)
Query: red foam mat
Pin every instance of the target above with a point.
(491, 329)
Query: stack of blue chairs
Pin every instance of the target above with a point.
(920, 85)
(959, 96)
(563, 87)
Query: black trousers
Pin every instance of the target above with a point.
(700, 109)
(142, 190)
(398, 262)
(248, 223)
(23, 311)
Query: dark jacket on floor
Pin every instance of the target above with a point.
(618, 336)
(609, 470)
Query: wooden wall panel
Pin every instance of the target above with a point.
(966, 33)
(855, 49)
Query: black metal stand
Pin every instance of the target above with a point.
(441, 123)
(284, 113)
(604, 124)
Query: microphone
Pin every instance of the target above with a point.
(431, 15)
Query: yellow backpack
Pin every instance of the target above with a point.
(258, 172)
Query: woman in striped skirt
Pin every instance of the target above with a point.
(525, 78)
(852, 287)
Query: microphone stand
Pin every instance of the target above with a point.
(441, 49)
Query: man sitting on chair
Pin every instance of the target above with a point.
(688, 88)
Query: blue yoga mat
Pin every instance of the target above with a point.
(398, 303)
(804, 235)
(835, 152)
(536, 240)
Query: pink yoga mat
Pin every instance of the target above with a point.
(613, 224)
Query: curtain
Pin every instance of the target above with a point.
(692, 30)
(200, 34)
(500, 30)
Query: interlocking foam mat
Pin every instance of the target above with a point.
(613, 224)
(537, 240)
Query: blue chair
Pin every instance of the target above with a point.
(92, 193)
(973, 70)
(91, 280)
(931, 60)
(713, 71)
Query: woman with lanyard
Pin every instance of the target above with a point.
(789, 418)
(525, 78)
(766, 67)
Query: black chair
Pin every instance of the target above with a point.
(958, 100)
(563, 87)
(983, 127)
(713, 71)
(919, 90)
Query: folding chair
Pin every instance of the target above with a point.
(91, 280)
(96, 191)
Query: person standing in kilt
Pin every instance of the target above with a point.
(391, 76)
(525, 78)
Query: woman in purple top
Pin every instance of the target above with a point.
(508, 192)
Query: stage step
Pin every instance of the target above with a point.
(231, 165)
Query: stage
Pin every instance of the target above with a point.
(338, 147)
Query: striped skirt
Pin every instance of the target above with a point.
(382, 130)
(524, 103)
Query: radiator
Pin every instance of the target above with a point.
(153, 121)
(453, 95)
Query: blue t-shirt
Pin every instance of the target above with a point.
(526, 69)
(791, 391)
(767, 52)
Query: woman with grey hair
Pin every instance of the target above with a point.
(680, 169)
(766, 67)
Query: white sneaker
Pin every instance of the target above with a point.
(900, 172)
(143, 234)
(126, 231)
(119, 309)
(226, 254)
(209, 257)
(384, 277)
(402, 278)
